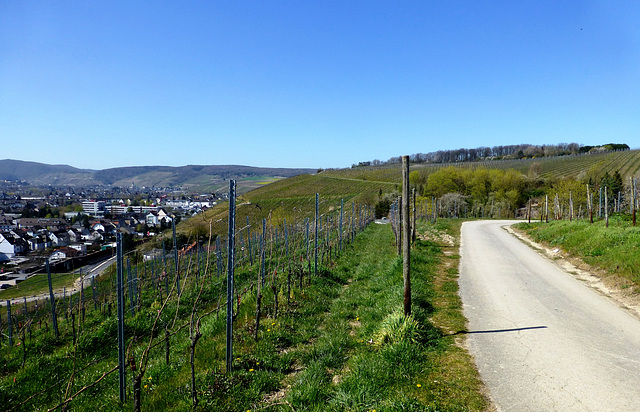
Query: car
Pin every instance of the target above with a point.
(5, 286)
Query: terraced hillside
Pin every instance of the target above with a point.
(626, 162)
(293, 199)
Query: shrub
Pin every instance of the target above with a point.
(397, 328)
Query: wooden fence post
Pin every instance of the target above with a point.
(230, 272)
(406, 236)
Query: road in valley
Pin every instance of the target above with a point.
(543, 340)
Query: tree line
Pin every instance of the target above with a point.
(497, 192)
(519, 151)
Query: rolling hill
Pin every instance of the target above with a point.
(196, 177)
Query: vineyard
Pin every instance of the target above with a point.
(57, 349)
(626, 162)
(291, 199)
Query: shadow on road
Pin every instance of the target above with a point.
(467, 332)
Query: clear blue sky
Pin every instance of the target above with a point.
(98, 84)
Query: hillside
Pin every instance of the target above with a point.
(44, 174)
(626, 162)
(289, 198)
(196, 177)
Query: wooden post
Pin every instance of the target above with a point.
(633, 200)
(546, 208)
(570, 205)
(230, 272)
(406, 236)
(590, 204)
(413, 225)
(606, 207)
(400, 220)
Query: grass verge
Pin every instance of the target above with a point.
(613, 249)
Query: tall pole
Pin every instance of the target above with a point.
(546, 208)
(230, 271)
(570, 205)
(633, 200)
(600, 203)
(120, 298)
(341, 212)
(52, 300)
(249, 241)
(263, 251)
(590, 204)
(175, 254)
(315, 243)
(9, 325)
(606, 207)
(406, 236)
(413, 213)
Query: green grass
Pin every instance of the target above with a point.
(350, 367)
(317, 354)
(614, 249)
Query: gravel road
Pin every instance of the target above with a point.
(543, 340)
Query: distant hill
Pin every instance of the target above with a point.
(196, 177)
(44, 174)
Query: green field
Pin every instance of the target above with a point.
(38, 284)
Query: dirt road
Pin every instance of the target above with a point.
(543, 340)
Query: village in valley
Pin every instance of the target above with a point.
(69, 224)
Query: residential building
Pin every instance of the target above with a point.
(94, 207)
(11, 245)
(63, 253)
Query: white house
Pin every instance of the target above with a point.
(157, 218)
(60, 238)
(63, 253)
(10, 246)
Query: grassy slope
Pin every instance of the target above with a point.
(292, 199)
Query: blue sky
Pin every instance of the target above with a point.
(310, 84)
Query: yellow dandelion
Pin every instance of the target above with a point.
(250, 370)
(146, 386)
(273, 324)
(149, 377)
(419, 386)
(357, 318)
(268, 330)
